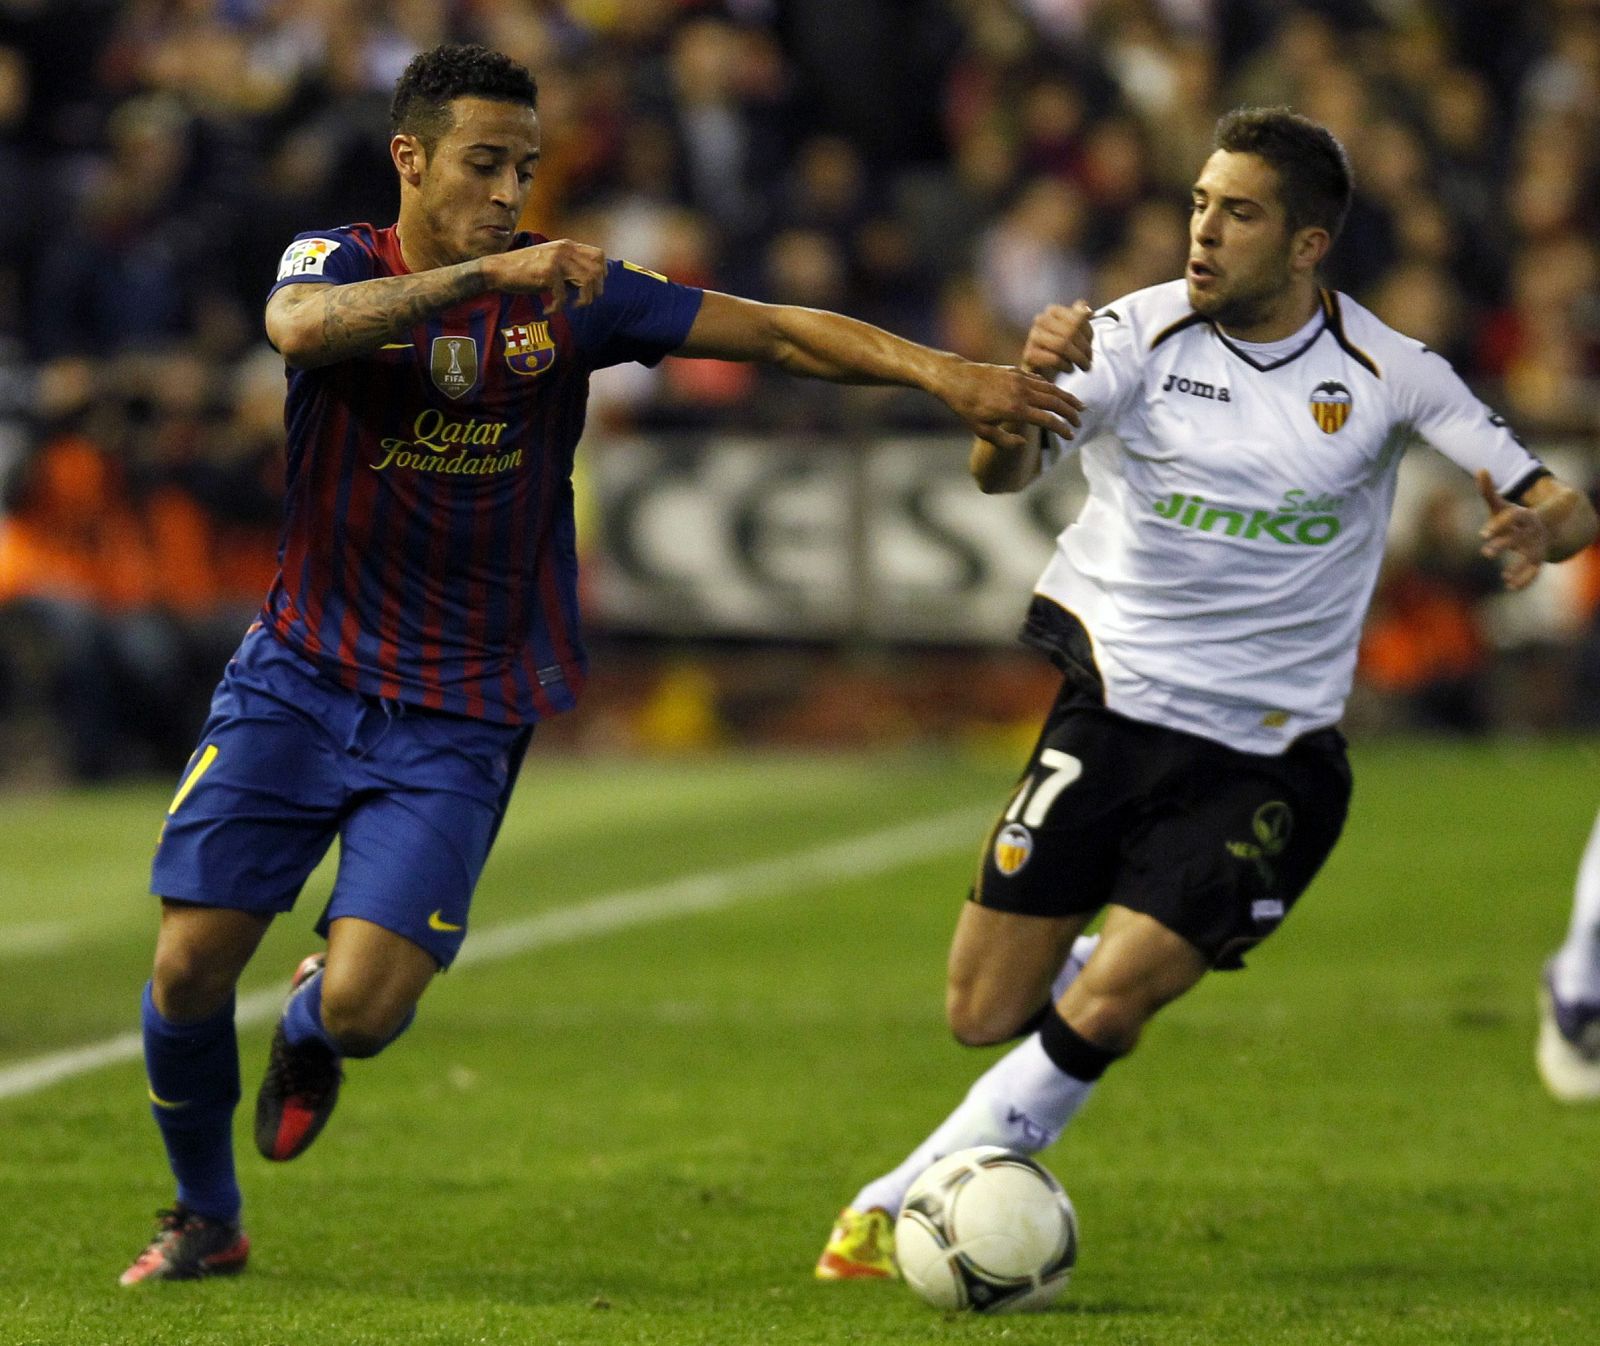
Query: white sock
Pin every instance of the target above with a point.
(1082, 947)
(1022, 1102)
(1575, 971)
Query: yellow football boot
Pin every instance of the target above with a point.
(861, 1247)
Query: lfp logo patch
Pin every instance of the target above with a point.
(1012, 848)
(530, 349)
(1330, 406)
(306, 257)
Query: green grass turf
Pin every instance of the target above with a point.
(641, 1138)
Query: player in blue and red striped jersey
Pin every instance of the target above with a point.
(424, 616)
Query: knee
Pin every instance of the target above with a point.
(363, 1026)
(1113, 1022)
(980, 1018)
(188, 984)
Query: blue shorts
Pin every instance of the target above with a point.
(288, 760)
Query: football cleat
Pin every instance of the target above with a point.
(860, 1248)
(1569, 1047)
(300, 1087)
(188, 1246)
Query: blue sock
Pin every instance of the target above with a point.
(302, 1021)
(194, 1087)
(302, 1017)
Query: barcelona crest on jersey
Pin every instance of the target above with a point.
(530, 349)
(1330, 405)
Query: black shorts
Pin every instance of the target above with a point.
(1214, 843)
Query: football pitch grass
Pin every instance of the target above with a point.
(634, 1121)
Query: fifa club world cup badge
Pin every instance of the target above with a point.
(1330, 406)
(530, 349)
(453, 363)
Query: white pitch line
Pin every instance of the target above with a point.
(835, 862)
(23, 941)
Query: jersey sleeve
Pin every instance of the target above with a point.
(1432, 399)
(334, 257)
(640, 316)
(1104, 388)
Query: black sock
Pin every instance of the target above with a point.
(1072, 1053)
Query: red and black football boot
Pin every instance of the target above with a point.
(300, 1088)
(188, 1246)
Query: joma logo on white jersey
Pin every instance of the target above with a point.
(1285, 526)
(1195, 388)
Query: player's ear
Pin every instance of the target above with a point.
(1309, 246)
(410, 158)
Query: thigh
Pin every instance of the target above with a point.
(375, 968)
(1234, 842)
(412, 848)
(1138, 966)
(200, 952)
(1054, 851)
(1001, 966)
(256, 808)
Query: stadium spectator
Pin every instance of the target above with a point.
(1422, 649)
(1033, 251)
(1421, 299)
(19, 170)
(1050, 127)
(1541, 347)
(74, 585)
(115, 277)
(1116, 173)
(1153, 246)
(730, 142)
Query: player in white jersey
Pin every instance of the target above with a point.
(1242, 432)
(1569, 1003)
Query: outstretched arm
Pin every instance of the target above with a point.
(1553, 522)
(1060, 339)
(315, 324)
(996, 401)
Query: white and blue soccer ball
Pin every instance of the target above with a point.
(987, 1229)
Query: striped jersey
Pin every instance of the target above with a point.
(1239, 499)
(428, 548)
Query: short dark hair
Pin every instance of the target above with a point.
(434, 79)
(1313, 171)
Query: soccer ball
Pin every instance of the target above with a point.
(987, 1229)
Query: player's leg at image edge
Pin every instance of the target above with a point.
(194, 1088)
(193, 1071)
(1569, 1003)
(1023, 1102)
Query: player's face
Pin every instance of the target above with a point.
(1242, 253)
(472, 187)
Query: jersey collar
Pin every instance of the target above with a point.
(1267, 355)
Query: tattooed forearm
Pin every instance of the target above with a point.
(357, 317)
(318, 324)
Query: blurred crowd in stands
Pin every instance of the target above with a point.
(942, 167)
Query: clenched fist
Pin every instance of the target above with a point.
(1060, 339)
(571, 272)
